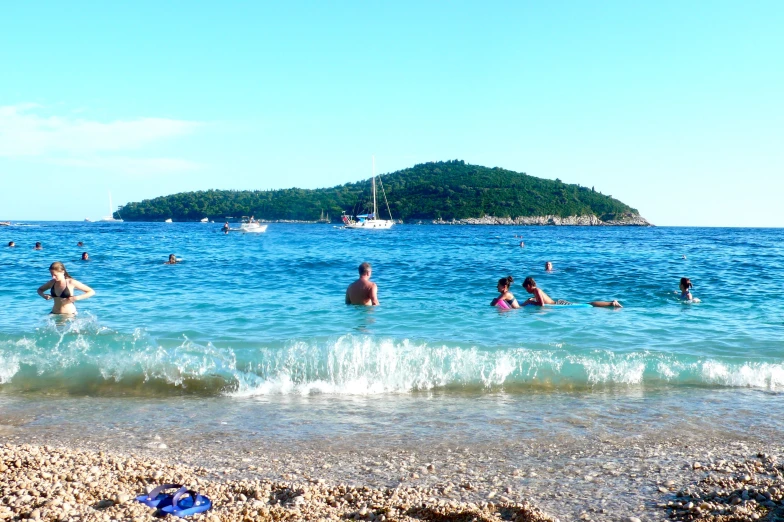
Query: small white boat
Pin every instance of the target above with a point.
(204, 220)
(5, 223)
(370, 221)
(253, 227)
(168, 221)
(110, 217)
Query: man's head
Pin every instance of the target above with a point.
(365, 269)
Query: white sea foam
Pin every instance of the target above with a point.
(355, 364)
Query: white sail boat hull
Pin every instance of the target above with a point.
(371, 224)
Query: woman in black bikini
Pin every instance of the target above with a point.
(504, 284)
(63, 290)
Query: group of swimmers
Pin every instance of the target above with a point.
(62, 287)
(506, 300)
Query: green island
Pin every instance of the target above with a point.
(438, 192)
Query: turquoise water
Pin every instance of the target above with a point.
(263, 315)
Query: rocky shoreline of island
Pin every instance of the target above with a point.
(631, 220)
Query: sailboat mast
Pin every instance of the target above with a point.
(374, 188)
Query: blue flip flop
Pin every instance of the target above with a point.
(157, 498)
(186, 503)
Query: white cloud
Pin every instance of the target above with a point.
(25, 133)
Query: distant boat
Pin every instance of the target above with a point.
(5, 223)
(204, 220)
(168, 221)
(254, 227)
(88, 220)
(110, 217)
(370, 221)
(323, 219)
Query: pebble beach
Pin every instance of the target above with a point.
(692, 478)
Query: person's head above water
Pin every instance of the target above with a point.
(505, 283)
(85, 256)
(38, 245)
(548, 266)
(57, 269)
(80, 243)
(685, 284)
(11, 244)
(365, 269)
(172, 259)
(529, 283)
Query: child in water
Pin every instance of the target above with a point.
(540, 298)
(506, 299)
(686, 287)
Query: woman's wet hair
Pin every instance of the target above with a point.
(57, 266)
(529, 281)
(506, 281)
(686, 282)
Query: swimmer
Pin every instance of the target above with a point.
(226, 227)
(85, 256)
(504, 284)
(11, 244)
(548, 267)
(80, 244)
(172, 260)
(686, 286)
(540, 298)
(38, 246)
(522, 244)
(363, 291)
(63, 290)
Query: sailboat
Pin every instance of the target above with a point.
(110, 217)
(370, 221)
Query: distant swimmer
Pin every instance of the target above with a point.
(172, 260)
(548, 267)
(38, 246)
(686, 286)
(11, 244)
(63, 290)
(85, 256)
(363, 291)
(226, 227)
(506, 300)
(80, 244)
(540, 298)
(522, 244)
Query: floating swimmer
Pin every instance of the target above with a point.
(506, 300)
(172, 260)
(548, 267)
(63, 290)
(686, 287)
(542, 299)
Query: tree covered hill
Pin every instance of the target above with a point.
(440, 190)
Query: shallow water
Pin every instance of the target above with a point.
(249, 317)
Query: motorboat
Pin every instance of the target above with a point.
(204, 220)
(253, 227)
(169, 220)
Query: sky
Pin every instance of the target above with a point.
(675, 108)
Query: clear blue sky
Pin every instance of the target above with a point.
(676, 108)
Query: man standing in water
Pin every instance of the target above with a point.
(362, 291)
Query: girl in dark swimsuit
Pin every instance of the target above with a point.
(504, 284)
(62, 288)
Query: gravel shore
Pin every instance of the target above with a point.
(47, 483)
(43, 482)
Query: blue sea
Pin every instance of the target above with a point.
(252, 326)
